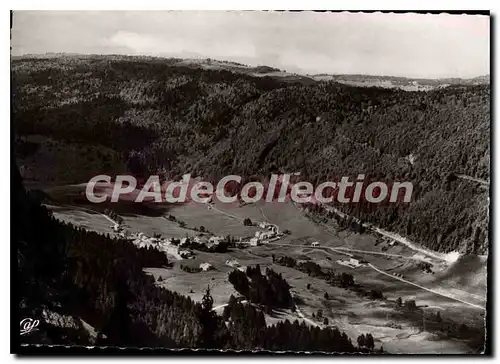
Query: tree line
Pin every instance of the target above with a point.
(269, 289)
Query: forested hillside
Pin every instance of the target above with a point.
(75, 117)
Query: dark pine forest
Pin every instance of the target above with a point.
(76, 117)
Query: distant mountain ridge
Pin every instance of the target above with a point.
(404, 83)
(360, 80)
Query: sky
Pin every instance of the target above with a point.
(411, 45)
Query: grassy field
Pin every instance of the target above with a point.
(83, 218)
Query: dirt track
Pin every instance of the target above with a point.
(390, 275)
(426, 289)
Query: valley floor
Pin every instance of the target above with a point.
(459, 295)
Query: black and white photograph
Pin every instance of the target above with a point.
(297, 182)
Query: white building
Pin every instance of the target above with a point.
(232, 263)
(315, 243)
(254, 241)
(354, 262)
(206, 266)
(351, 263)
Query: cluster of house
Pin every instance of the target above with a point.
(175, 247)
(210, 242)
(270, 227)
(141, 240)
(262, 237)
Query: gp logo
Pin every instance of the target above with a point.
(29, 325)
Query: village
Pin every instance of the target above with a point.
(202, 253)
(184, 248)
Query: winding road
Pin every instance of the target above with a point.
(213, 207)
(345, 250)
(478, 180)
(381, 253)
(424, 288)
(92, 212)
(339, 250)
